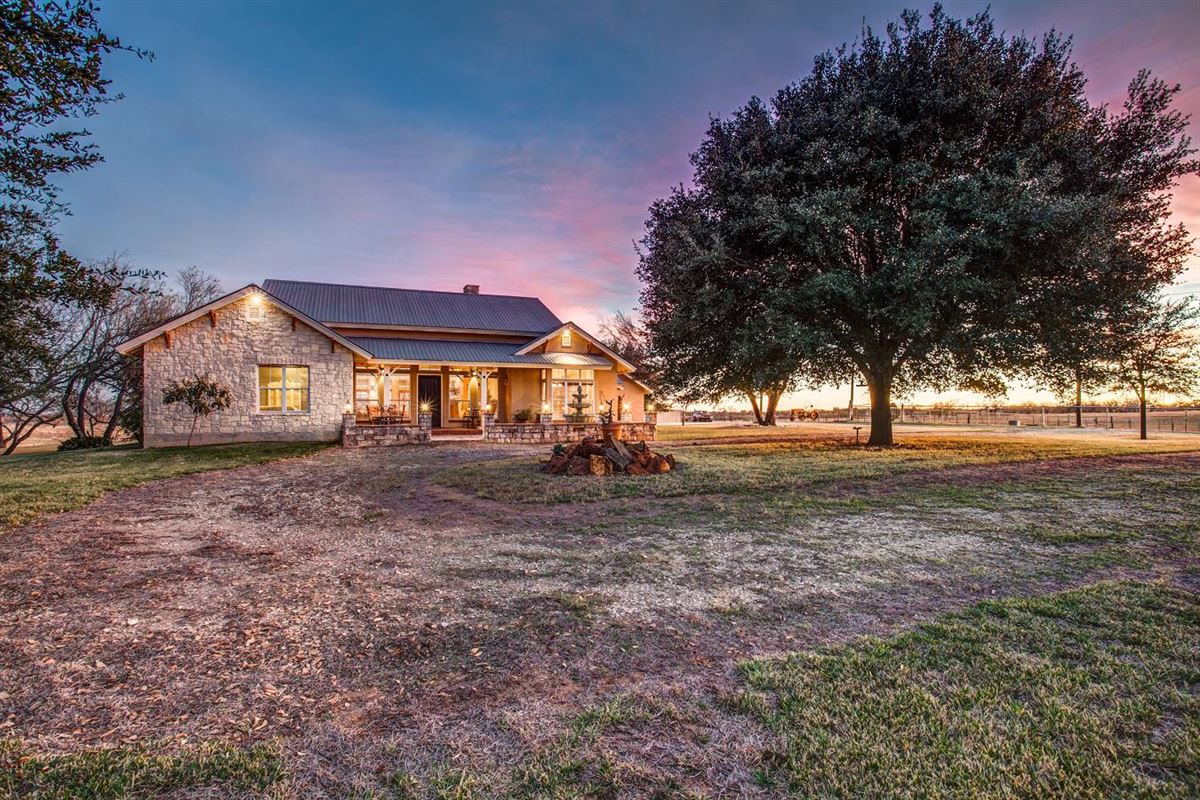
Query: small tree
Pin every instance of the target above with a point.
(203, 396)
(1158, 353)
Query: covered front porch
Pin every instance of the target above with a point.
(456, 397)
(459, 396)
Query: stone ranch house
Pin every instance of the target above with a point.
(371, 365)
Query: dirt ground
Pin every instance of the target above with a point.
(348, 605)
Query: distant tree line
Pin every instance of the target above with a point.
(940, 207)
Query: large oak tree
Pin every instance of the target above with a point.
(923, 206)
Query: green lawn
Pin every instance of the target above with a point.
(682, 433)
(1085, 694)
(48, 483)
(135, 773)
(774, 467)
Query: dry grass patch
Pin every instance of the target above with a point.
(47, 483)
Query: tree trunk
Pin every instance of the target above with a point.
(772, 404)
(195, 419)
(81, 412)
(1078, 399)
(111, 427)
(68, 406)
(758, 416)
(1142, 403)
(880, 385)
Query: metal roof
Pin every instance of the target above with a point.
(335, 304)
(442, 351)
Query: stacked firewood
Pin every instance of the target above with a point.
(596, 457)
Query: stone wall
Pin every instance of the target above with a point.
(383, 435)
(536, 433)
(231, 352)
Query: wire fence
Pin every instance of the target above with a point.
(1168, 420)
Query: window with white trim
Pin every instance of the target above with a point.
(566, 385)
(283, 388)
(566, 338)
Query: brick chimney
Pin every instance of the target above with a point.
(471, 288)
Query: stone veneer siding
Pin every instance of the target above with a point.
(383, 435)
(231, 353)
(535, 432)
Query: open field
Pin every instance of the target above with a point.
(405, 623)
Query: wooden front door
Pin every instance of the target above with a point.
(429, 390)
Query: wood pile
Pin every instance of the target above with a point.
(610, 456)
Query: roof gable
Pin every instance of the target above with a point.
(336, 304)
(599, 345)
(130, 346)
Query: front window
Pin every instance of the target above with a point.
(283, 389)
(380, 393)
(365, 393)
(466, 398)
(573, 394)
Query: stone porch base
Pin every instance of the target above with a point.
(355, 435)
(536, 432)
(383, 435)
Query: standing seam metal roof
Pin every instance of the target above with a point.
(332, 303)
(458, 351)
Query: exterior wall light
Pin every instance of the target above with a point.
(546, 409)
(426, 407)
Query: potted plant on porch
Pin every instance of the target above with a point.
(609, 426)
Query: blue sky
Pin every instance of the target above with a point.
(513, 145)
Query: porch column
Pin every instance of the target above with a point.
(413, 400)
(387, 389)
(484, 374)
(445, 400)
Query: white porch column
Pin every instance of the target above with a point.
(484, 374)
(387, 389)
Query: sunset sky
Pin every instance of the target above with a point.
(515, 145)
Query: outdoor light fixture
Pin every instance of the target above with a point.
(546, 408)
(426, 407)
(626, 407)
(349, 408)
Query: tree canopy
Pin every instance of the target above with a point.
(923, 208)
(51, 56)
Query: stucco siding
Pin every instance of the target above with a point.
(231, 353)
(525, 391)
(611, 386)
